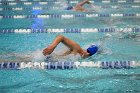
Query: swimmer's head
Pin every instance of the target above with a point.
(92, 50)
(69, 8)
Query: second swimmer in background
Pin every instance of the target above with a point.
(79, 6)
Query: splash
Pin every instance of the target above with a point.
(38, 56)
(55, 56)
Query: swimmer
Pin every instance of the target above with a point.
(74, 48)
(79, 6)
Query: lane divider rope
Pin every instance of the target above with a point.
(70, 30)
(69, 65)
(69, 16)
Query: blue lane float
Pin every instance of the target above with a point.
(71, 30)
(116, 64)
(69, 65)
(9, 65)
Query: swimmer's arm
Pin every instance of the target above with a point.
(83, 2)
(66, 41)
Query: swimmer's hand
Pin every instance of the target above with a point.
(48, 50)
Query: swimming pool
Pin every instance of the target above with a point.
(28, 27)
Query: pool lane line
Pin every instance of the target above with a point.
(71, 30)
(70, 16)
(70, 65)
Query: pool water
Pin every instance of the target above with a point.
(27, 47)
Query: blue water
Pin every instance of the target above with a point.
(28, 48)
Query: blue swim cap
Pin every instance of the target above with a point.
(69, 8)
(92, 49)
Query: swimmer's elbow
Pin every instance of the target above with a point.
(61, 37)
